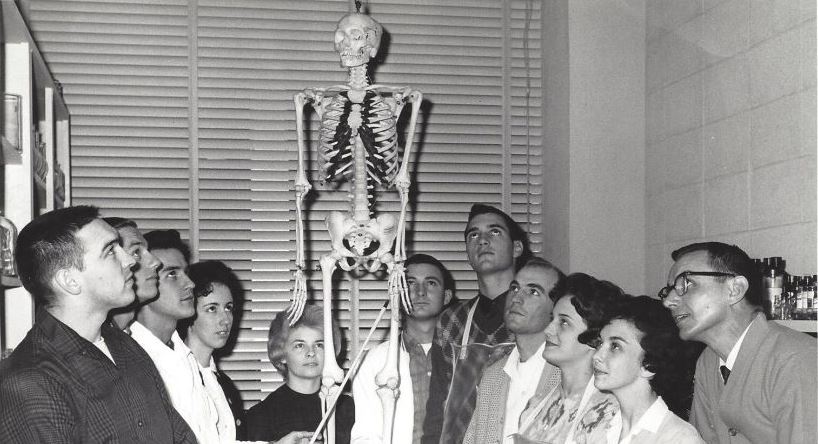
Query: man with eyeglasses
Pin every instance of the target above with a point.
(755, 382)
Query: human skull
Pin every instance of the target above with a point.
(357, 38)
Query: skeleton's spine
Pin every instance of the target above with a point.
(360, 205)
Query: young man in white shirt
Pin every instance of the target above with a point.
(430, 288)
(508, 384)
(155, 330)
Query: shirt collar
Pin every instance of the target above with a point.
(486, 305)
(66, 341)
(731, 358)
(146, 338)
(649, 422)
(409, 341)
(653, 417)
(514, 367)
(211, 367)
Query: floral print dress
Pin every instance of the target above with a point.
(583, 418)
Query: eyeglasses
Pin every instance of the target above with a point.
(682, 283)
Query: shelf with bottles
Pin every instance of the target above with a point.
(789, 300)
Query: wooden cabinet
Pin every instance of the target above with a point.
(36, 147)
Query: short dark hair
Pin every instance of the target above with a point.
(166, 240)
(420, 258)
(204, 274)
(593, 300)
(49, 244)
(671, 359)
(536, 261)
(119, 222)
(728, 259)
(514, 229)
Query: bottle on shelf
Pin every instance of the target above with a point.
(773, 284)
(799, 312)
(790, 297)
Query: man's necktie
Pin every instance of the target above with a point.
(725, 373)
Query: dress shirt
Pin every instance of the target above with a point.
(420, 371)
(658, 425)
(731, 358)
(184, 382)
(225, 423)
(58, 387)
(523, 377)
(368, 410)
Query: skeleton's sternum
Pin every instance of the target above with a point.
(360, 203)
(357, 91)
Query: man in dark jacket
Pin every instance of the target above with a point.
(74, 378)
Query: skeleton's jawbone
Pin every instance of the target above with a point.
(353, 61)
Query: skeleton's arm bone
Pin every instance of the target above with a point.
(302, 187)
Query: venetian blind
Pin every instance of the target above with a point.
(182, 117)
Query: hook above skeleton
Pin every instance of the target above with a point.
(358, 140)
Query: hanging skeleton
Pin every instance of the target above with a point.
(358, 138)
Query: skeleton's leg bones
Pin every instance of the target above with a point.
(388, 379)
(332, 374)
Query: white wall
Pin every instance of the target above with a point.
(711, 103)
(595, 174)
(731, 129)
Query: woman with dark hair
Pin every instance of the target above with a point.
(575, 411)
(640, 361)
(217, 291)
(293, 411)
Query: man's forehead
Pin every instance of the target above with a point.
(536, 275)
(97, 233)
(170, 257)
(131, 236)
(693, 261)
(487, 219)
(424, 271)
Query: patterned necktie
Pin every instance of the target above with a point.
(725, 373)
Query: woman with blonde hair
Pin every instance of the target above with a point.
(293, 411)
